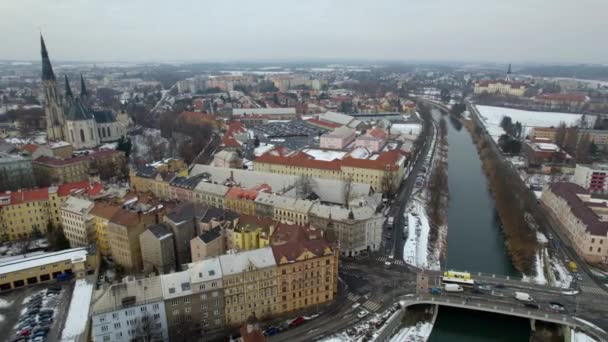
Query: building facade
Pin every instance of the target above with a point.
(75, 169)
(78, 226)
(123, 233)
(502, 87)
(101, 213)
(338, 139)
(158, 249)
(591, 177)
(15, 172)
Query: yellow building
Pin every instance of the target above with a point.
(250, 285)
(26, 211)
(101, 215)
(20, 271)
(383, 171)
(155, 177)
(241, 201)
(252, 232)
(500, 87)
(75, 169)
(122, 234)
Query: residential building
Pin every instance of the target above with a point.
(207, 286)
(338, 139)
(562, 100)
(29, 211)
(15, 172)
(502, 87)
(182, 188)
(581, 216)
(307, 269)
(341, 119)
(133, 310)
(538, 153)
(210, 194)
(123, 233)
(209, 243)
(591, 177)
(543, 134)
(598, 137)
(158, 249)
(241, 200)
(229, 159)
(75, 169)
(274, 113)
(250, 285)
(23, 270)
(183, 222)
(155, 177)
(101, 213)
(78, 226)
(372, 140)
(358, 229)
(252, 232)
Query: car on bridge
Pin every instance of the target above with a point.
(532, 306)
(555, 306)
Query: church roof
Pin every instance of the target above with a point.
(47, 69)
(104, 116)
(77, 111)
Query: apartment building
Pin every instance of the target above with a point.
(250, 285)
(252, 232)
(194, 300)
(307, 269)
(155, 177)
(502, 87)
(338, 139)
(183, 221)
(591, 177)
(209, 243)
(29, 211)
(133, 310)
(74, 169)
(15, 172)
(123, 233)
(582, 217)
(158, 249)
(241, 200)
(372, 140)
(78, 226)
(101, 213)
(210, 194)
(543, 134)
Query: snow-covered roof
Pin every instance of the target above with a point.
(176, 284)
(548, 146)
(76, 320)
(341, 213)
(338, 118)
(43, 259)
(143, 290)
(239, 262)
(326, 155)
(77, 205)
(205, 270)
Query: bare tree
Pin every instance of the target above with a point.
(304, 186)
(146, 330)
(347, 190)
(560, 134)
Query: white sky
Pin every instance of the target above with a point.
(563, 31)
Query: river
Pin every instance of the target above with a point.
(475, 243)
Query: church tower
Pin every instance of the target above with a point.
(53, 110)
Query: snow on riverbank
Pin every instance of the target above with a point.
(416, 249)
(539, 262)
(491, 117)
(419, 332)
(577, 336)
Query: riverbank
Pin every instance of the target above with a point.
(520, 238)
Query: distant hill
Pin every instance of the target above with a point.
(591, 72)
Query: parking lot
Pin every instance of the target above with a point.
(35, 311)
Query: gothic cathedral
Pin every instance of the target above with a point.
(71, 118)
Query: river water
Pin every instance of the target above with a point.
(475, 243)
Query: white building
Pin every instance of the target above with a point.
(131, 310)
(591, 177)
(77, 224)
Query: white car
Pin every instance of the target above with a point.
(356, 305)
(362, 314)
(387, 263)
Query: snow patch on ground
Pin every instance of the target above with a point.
(5, 303)
(409, 128)
(561, 276)
(415, 249)
(491, 117)
(338, 338)
(76, 321)
(419, 332)
(541, 238)
(539, 278)
(577, 336)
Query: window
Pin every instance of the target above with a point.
(117, 325)
(185, 286)
(187, 309)
(115, 315)
(106, 338)
(143, 309)
(82, 135)
(172, 290)
(186, 299)
(104, 328)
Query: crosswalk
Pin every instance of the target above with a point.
(371, 305)
(393, 261)
(353, 297)
(592, 290)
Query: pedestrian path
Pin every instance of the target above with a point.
(371, 305)
(353, 297)
(393, 261)
(592, 289)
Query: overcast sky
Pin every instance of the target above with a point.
(562, 31)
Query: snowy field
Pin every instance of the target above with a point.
(76, 322)
(491, 117)
(409, 128)
(420, 332)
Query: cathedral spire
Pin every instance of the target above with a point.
(47, 69)
(83, 88)
(68, 90)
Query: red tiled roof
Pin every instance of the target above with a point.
(104, 210)
(569, 192)
(566, 97)
(69, 188)
(239, 193)
(125, 217)
(235, 127)
(32, 195)
(30, 148)
(377, 133)
(61, 162)
(323, 123)
(293, 241)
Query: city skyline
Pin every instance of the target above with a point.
(274, 31)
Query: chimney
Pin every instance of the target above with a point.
(156, 217)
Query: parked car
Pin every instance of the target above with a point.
(271, 331)
(362, 314)
(296, 322)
